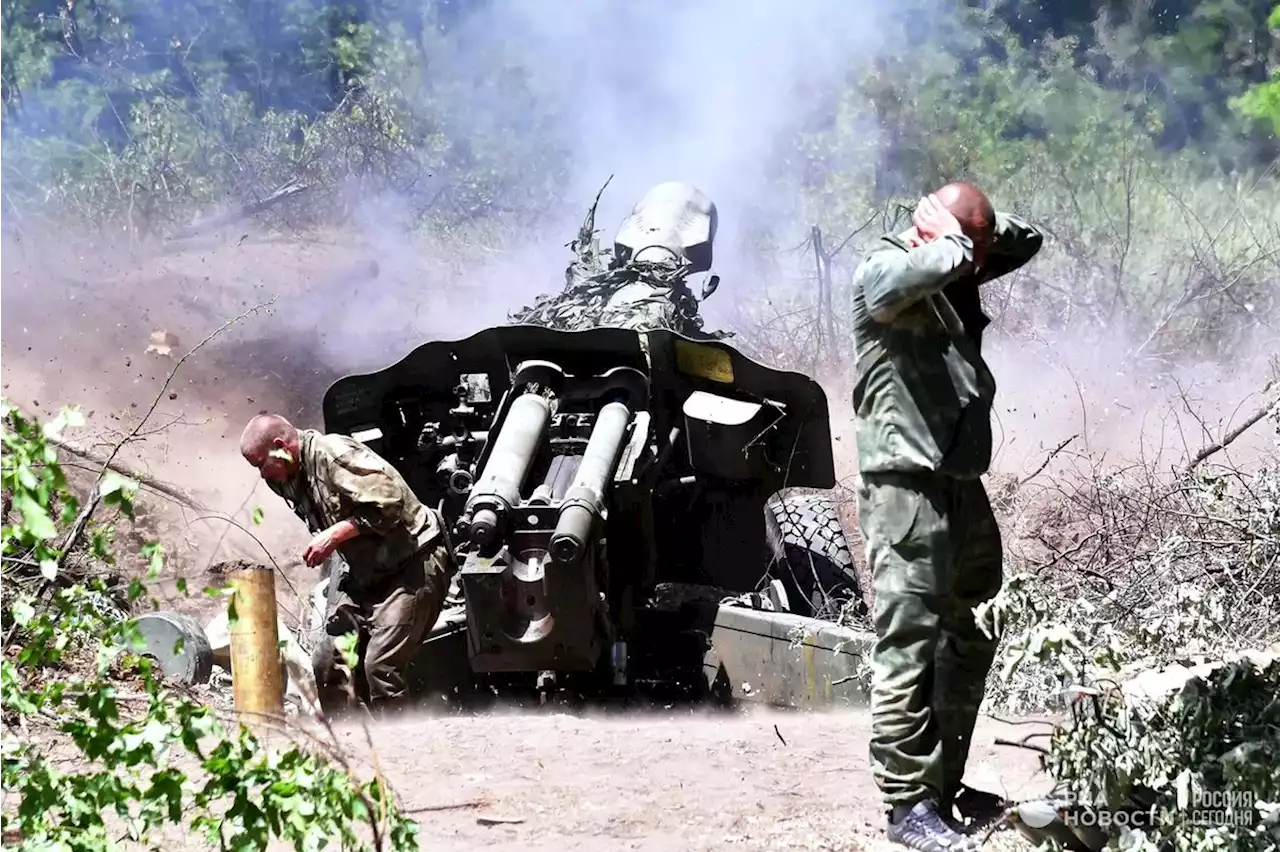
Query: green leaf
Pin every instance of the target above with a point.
(154, 553)
(347, 645)
(22, 611)
(34, 517)
(257, 515)
(113, 482)
(69, 417)
(117, 490)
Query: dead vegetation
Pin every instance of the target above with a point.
(1143, 556)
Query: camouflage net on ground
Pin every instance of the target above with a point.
(593, 281)
(1179, 759)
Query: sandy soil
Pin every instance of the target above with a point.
(750, 780)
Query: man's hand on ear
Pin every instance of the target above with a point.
(933, 220)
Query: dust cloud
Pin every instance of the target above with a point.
(702, 92)
(708, 92)
(699, 92)
(1113, 408)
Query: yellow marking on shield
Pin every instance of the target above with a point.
(705, 362)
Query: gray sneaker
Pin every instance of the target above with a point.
(922, 828)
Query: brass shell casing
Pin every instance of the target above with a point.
(256, 678)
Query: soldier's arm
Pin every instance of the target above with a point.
(1016, 242)
(892, 281)
(377, 499)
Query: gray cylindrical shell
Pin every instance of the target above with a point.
(178, 644)
(602, 450)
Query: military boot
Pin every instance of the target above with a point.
(921, 827)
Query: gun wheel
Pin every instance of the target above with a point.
(812, 557)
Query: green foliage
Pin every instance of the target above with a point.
(1262, 101)
(130, 112)
(29, 473)
(1199, 759)
(148, 756)
(1106, 123)
(1156, 245)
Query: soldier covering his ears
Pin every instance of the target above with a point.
(395, 549)
(923, 398)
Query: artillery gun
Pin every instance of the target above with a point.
(612, 493)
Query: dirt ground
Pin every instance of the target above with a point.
(752, 780)
(75, 329)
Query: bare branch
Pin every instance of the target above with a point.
(125, 470)
(1231, 436)
(1048, 458)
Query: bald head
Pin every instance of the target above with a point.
(972, 209)
(261, 443)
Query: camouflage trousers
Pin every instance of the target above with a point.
(391, 623)
(935, 552)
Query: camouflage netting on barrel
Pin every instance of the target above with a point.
(603, 289)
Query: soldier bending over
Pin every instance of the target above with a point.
(398, 561)
(923, 398)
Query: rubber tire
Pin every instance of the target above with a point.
(811, 555)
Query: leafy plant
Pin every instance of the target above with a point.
(148, 755)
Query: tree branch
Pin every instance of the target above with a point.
(124, 470)
(1231, 436)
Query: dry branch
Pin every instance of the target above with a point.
(287, 191)
(1048, 458)
(78, 528)
(1231, 436)
(125, 470)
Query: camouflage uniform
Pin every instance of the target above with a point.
(923, 399)
(397, 571)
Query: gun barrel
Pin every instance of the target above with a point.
(508, 463)
(585, 497)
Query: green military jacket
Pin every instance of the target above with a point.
(337, 479)
(923, 393)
